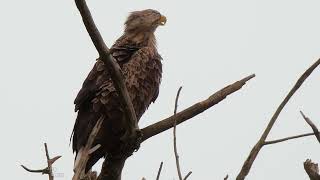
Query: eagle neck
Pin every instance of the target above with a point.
(142, 39)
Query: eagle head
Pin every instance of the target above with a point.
(144, 21)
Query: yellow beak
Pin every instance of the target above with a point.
(162, 20)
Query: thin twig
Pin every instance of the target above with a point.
(288, 138)
(48, 169)
(256, 149)
(226, 178)
(43, 171)
(194, 110)
(186, 177)
(176, 102)
(311, 124)
(176, 155)
(159, 171)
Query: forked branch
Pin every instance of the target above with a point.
(256, 149)
(48, 169)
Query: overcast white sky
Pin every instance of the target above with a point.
(46, 54)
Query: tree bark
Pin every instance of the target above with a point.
(112, 168)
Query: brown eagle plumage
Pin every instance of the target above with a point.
(137, 55)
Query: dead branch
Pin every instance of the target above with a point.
(256, 149)
(226, 178)
(159, 171)
(43, 171)
(193, 110)
(48, 169)
(79, 170)
(132, 129)
(186, 177)
(112, 168)
(288, 138)
(176, 155)
(312, 169)
(175, 136)
(314, 128)
(311, 124)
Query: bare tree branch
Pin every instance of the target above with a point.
(48, 169)
(112, 168)
(194, 110)
(287, 138)
(159, 171)
(43, 171)
(312, 169)
(48, 162)
(175, 136)
(311, 124)
(255, 150)
(176, 155)
(314, 128)
(186, 177)
(133, 130)
(79, 170)
(226, 178)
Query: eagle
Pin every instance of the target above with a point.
(136, 53)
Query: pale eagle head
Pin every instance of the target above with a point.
(144, 21)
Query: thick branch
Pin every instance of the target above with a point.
(311, 124)
(312, 169)
(194, 110)
(113, 67)
(112, 168)
(255, 150)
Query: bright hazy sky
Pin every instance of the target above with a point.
(46, 54)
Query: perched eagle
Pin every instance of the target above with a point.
(136, 53)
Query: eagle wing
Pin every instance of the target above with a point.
(91, 85)
(99, 74)
(142, 72)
